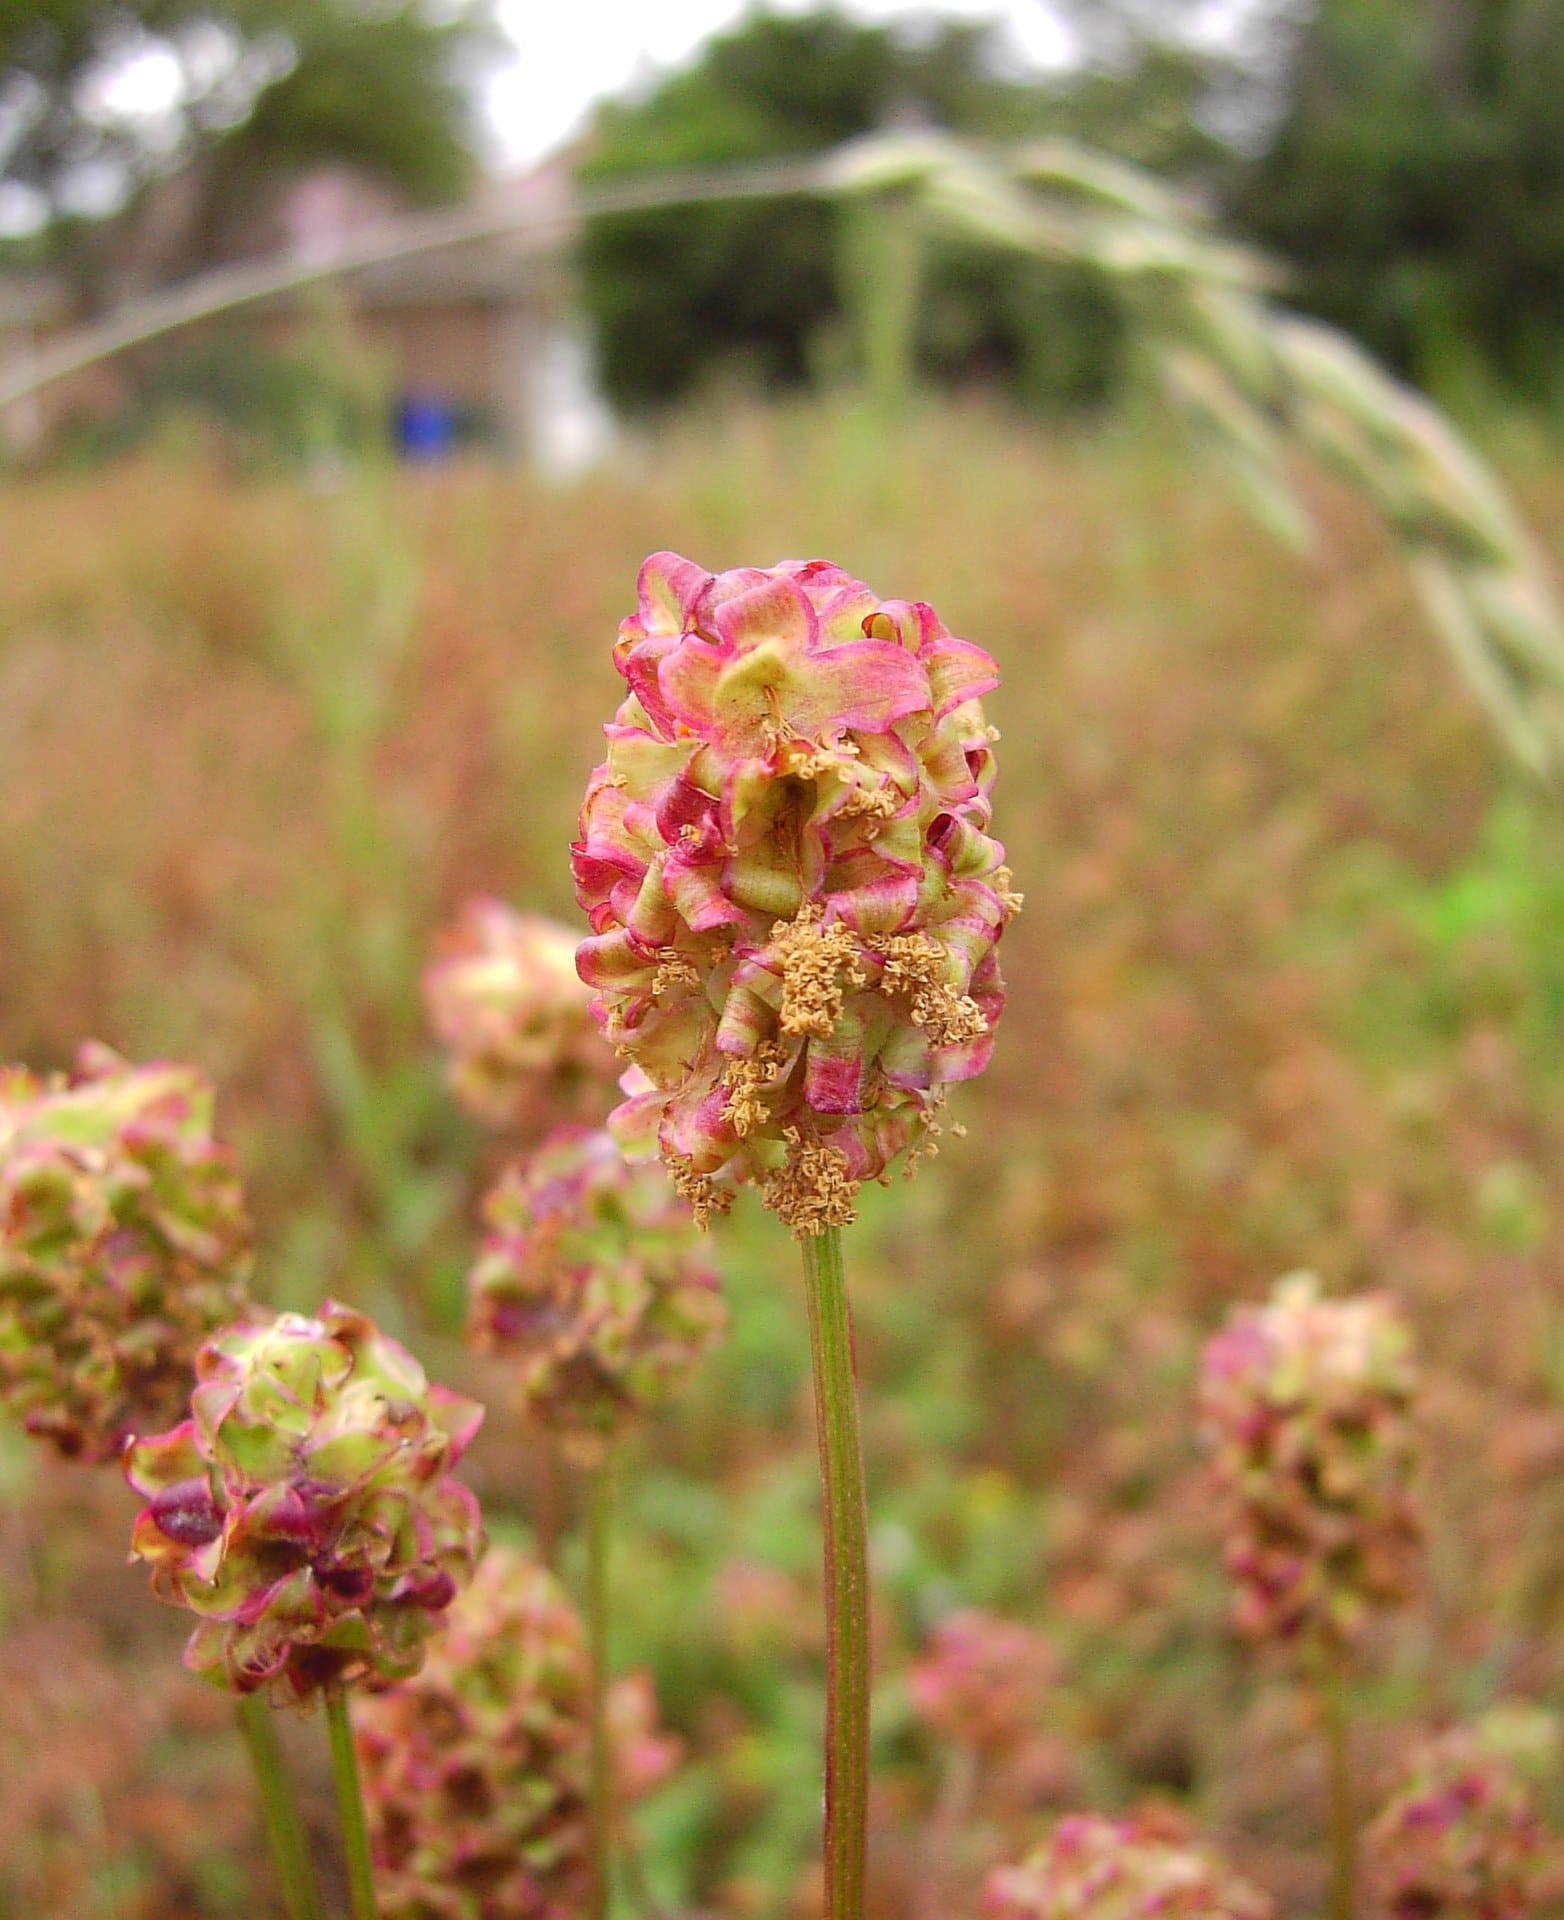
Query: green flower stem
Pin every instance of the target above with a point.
(599, 1517)
(1343, 1902)
(350, 1807)
(846, 1578)
(280, 1810)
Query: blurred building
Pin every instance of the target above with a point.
(479, 335)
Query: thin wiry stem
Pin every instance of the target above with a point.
(350, 1808)
(1342, 1811)
(846, 1578)
(599, 1519)
(280, 1810)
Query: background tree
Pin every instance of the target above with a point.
(249, 90)
(1415, 181)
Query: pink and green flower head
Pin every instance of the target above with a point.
(476, 1771)
(593, 1283)
(305, 1512)
(505, 1000)
(1144, 1868)
(984, 1682)
(124, 1242)
(1461, 1839)
(1306, 1409)
(794, 896)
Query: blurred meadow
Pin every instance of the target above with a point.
(306, 628)
(1287, 991)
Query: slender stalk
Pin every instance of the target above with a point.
(1342, 1812)
(280, 1810)
(846, 1578)
(957, 1788)
(599, 1518)
(350, 1808)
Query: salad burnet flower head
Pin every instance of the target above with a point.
(124, 1242)
(794, 895)
(983, 1682)
(476, 1770)
(593, 1283)
(1143, 1868)
(305, 1512)
(1461, 1839)
(1306, 1408)
(504, 999)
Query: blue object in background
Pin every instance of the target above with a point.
(425, 427)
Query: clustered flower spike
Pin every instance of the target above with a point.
(306, 1511)
(476, 1772)
(795, 900)
(592, 1280)
(124, 1242)
(1306, 1406)
(1461, 1840)
(503, 996)
(1145, 1868)
(984, 1682)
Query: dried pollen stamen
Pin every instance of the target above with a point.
(814, 960)
(926, 1147)
(812, 1190)
(1009, 899)
(698, 1190)
(873, 803)
(880, 800)
(916, 965)
(673, 970)
(747, 1081)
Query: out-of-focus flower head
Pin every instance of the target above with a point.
(306, 1511)
(794, 896)
(124, 1242)
(984, 1682)
(1305, 1405)
(503, 996)
(1461, 1839)
(593, 1281)
(1144, 1868)
(476, 1771)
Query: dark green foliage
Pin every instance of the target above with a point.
(264, 84)
(1416, 182)
(677, 296)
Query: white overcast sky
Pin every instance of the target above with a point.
(571, 53)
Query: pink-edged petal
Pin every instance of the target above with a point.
(958, 672)
(614, 961)
(775, 611)
(867, 684)
(695, 888)
(668, 589)
(687, 680)
(873, 898)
